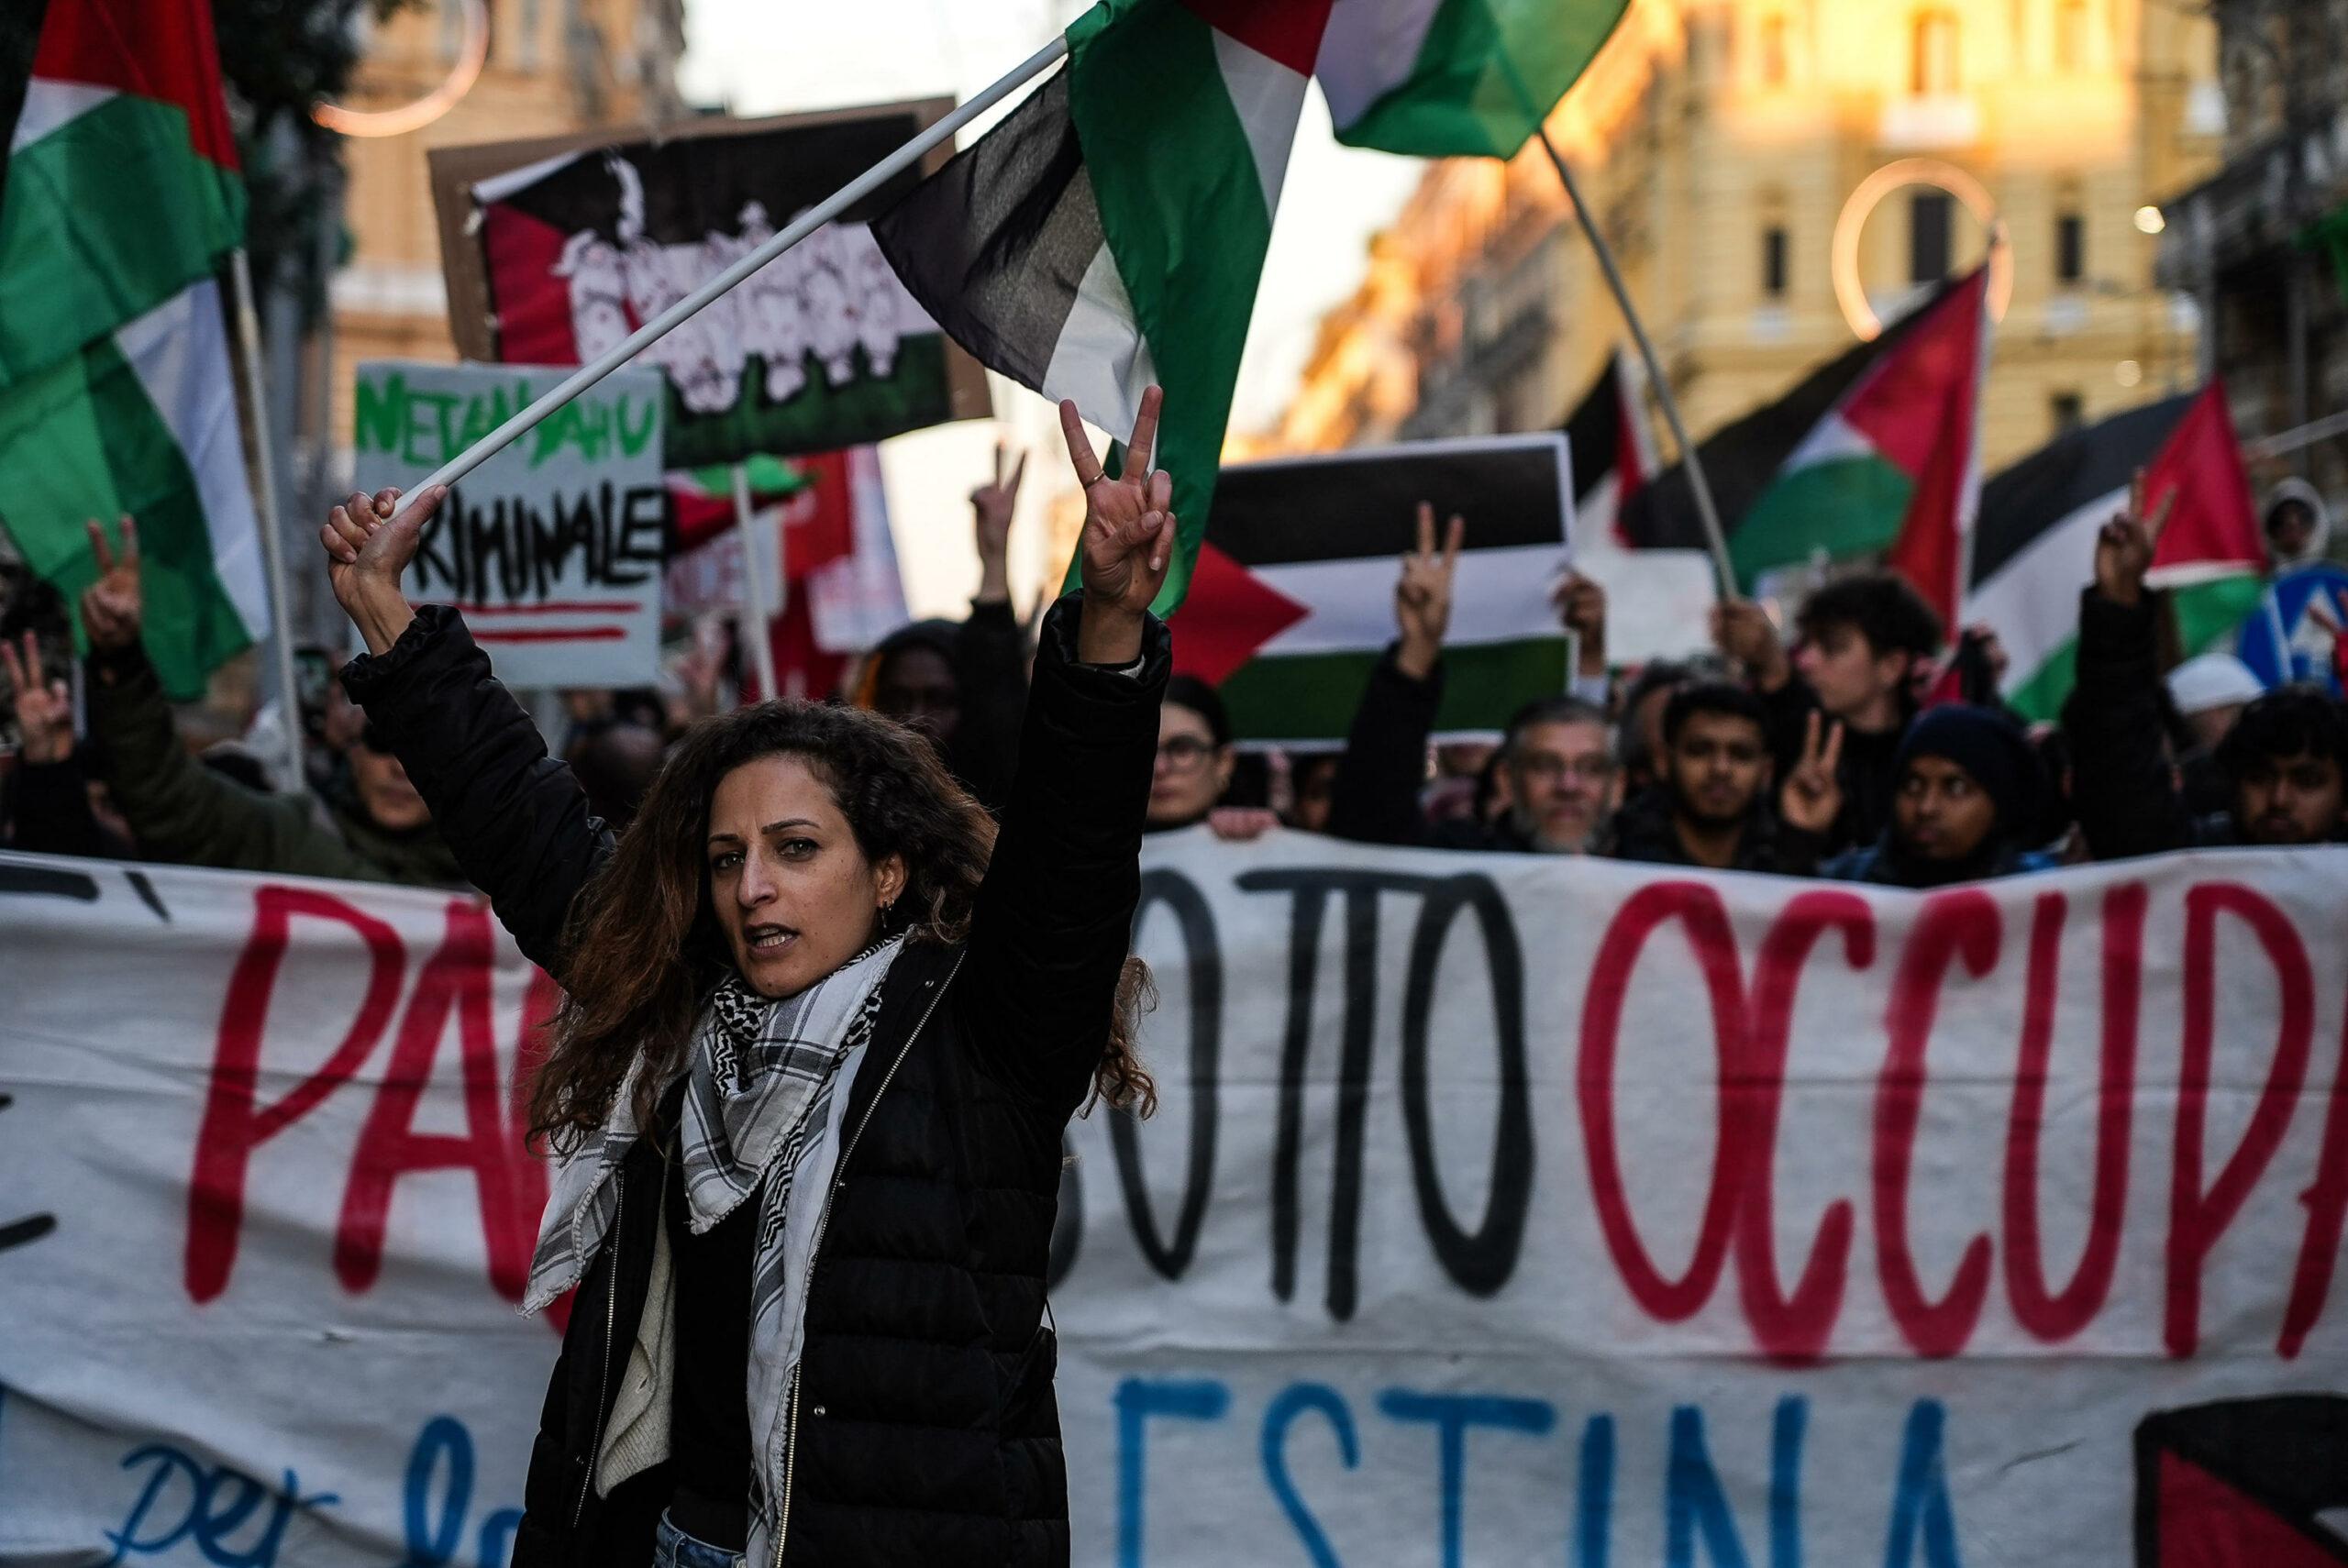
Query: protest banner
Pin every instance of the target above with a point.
(556, 248)
(1499, 1209)
(552, 548)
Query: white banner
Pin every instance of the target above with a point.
(553, 547)
(2011, 1239)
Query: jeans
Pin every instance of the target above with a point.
(672, 1548)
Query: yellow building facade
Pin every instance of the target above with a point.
(546, 68)
(1729, 148)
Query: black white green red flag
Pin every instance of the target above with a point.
(116, 395)
(1295, 582)
(1111, 232)
(2033, 547)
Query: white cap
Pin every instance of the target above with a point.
(2212, 680)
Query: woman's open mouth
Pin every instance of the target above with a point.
(769, 939)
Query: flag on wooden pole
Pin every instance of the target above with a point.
(116, 387)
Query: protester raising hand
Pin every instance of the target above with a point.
(44, 708)
(1423, 595)
(368, 542)
(1812, 796)
(114, 607)
(2125, 546)
(1128, 541)
(1581, 608)
(992, 506)
(1746, 636)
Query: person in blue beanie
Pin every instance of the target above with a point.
(1968, 802)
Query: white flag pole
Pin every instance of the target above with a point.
(1706, 512)
(757, 630)
(807, 223)
(273, 537)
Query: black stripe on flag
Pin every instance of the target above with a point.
(996, 244)
(696, 186)
(1594, 430)
(1741, 459)
(2063, 476)
(1348, 504)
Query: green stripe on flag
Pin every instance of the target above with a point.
(1307, 696)
(1182, 207)
(84, 439)
(2207, 610)
(104, 219)
(1488, 73)
(2040, 698)
(1842, 506)
(2204, 612)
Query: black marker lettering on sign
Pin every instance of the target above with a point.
(1481, 1260)
(1203, 961)
(509, 553)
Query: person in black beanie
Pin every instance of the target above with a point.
(1968, 802)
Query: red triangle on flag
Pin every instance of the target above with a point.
(1921, 410)
(1230, 614)
(2205, 1522)
(2213, 525)
(162, 50)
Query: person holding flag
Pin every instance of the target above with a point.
(824, 1026)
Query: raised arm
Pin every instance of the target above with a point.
(2123, 787)
(1055, 916)
(178, 810)
(515, 817)
(1374, 797)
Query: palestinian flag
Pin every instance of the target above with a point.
(1746, 460)
(1111, 231)
(2034, 547)
(116, 395)
(2261, 1480)
(1455, 77)
(1295, 583)
(1614, 452)
(1893, 466)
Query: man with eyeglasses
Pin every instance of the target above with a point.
(1555, 770)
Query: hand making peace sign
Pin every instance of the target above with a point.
(2125, 546)
(115, 607)
(1129, 539)
(1423, 595)
(1812, 796)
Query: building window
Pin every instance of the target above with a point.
(1773, 268)
(1930, 215)
(1932, 60)
(2071, 36)
(2068, 411)
(1773, 51)
(2070, 248)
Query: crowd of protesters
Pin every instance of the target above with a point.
(1853, 743)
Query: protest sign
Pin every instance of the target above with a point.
(557, 249)
(1501, 1209)
(1295, 582)
(553, 547)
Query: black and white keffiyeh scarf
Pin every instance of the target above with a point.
(757, 1110)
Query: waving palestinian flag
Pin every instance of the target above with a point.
(122, 196)
(2034, 548)
(1111, 232)
(1456, 78)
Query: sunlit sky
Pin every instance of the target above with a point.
(761, 57)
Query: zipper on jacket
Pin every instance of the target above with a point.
(603, 1385)
(815, 1251)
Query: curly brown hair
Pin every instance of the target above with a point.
(644, 950)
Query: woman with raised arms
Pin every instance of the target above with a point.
(823, 1028)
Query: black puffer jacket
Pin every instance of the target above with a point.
(926, 1431)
